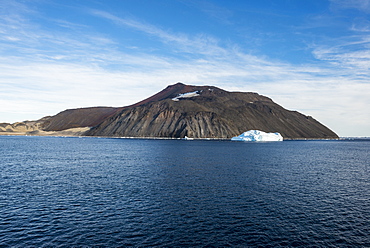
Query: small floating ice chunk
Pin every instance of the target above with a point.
(186, 95)
(187, 138)
(256, 135)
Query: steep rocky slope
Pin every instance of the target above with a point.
(75, 118)
(209, 113)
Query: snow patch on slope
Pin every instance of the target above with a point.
(186, 95)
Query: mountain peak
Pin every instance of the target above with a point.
(182, 110)
(179, 84)
(171, 91)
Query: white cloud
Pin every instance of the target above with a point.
(352, 54)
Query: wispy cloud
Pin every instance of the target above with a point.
(351, 55)
(200, 44)
(362, 5)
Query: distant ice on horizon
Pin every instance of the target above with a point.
(256, 135)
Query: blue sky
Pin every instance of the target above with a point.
(312, 56)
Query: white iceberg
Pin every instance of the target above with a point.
(186, 95)
(256, 135)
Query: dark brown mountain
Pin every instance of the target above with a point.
(81, 117)
(90, 117)
(209, 112)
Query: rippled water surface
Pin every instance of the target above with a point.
(119, 192)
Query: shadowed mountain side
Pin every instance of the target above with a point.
(214, 113)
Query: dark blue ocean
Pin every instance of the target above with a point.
(105, 192)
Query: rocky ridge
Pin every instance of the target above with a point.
(184, 110)
(213, 113)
